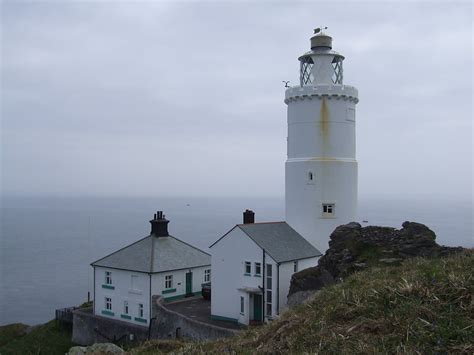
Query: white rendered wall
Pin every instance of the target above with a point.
(286, 271)
(228, 258)
(179, 282)
(321, 140)
(123, 291)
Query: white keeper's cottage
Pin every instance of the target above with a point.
(252, 265)
(159, 264)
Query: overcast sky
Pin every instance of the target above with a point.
(186, 98)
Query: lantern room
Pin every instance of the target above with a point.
(321, 65)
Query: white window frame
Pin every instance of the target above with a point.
(168, 282)
(108, 277)
(328, 209)
(269, 290)
(108, 303)
(258, 267)
(248, 265)
(140, 310)
(125, 307)
(207, 275)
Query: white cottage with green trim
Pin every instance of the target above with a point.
(252, 266)
(159, 264)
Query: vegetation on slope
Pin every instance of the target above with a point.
(47, 338)
(420, 306)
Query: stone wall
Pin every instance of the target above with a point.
(170, 324)
(89, 329)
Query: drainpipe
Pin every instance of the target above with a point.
(149, 306)
(264, 267)
(278, 289)
(94, 304)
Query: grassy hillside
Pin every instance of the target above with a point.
(420, 306)
(42, 339)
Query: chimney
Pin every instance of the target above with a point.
(249, 216)
(159, 225)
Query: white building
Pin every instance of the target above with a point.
(321, 170)
(158, 264)
(252, 265)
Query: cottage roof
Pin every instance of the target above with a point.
(279, 240)
(156, 254)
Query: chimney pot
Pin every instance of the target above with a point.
(249, 216)
(159, 225)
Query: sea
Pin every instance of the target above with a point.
(48, 243)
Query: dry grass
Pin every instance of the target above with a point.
(422, 306)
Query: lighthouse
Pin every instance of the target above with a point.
(321, 168)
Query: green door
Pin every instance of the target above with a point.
(257, 307)
(189, 284)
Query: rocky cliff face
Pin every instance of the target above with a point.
(352, 248)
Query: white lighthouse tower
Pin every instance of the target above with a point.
(321, 170)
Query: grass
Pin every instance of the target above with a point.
(421, 306)
(47, 338)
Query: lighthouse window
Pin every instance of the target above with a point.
(310, 176)
(328, 209)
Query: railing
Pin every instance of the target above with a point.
(64, 315)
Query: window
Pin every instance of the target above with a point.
(125, 307)
(295, 266)
(258, 269)
(242, 305)
(168, 281)
(108, 303)
(207, 275)
(108, 277)
(248, 268)
(268, 293)
(269, 296)
(269, 310)
(328, 209)
(140, 310)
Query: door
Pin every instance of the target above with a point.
(189, 284)
(257, 307)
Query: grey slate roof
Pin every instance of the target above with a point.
(279, 240)
(152, 254)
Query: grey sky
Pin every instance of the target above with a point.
(186, 98)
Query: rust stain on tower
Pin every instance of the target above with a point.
(324, 124)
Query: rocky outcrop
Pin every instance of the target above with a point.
(353, 248)
(96, 349)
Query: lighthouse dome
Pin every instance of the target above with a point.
(321, 40)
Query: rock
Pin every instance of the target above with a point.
(300, 297)
(353, 248)
(96, 349)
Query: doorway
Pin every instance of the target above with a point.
(257, 307)
(189, 284)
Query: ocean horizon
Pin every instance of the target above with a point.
(48, 243)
